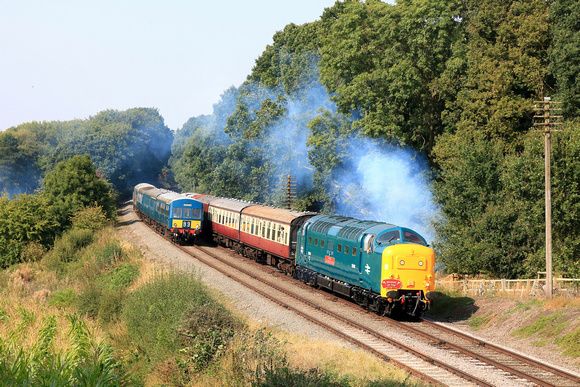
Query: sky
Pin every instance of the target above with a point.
(66, 59)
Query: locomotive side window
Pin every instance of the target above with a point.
(322, 243)
(346, 249)
(309, 240)
(177, 212)
(354, 251)
(339, 248)
(331, 245)
(315, 241)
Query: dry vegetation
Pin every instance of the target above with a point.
(80, 277)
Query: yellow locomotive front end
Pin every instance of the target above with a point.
(408, 275)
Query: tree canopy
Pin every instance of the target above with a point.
(418, 113)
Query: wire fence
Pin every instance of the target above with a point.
(563, 287)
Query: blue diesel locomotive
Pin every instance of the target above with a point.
(172, 214)
(383, 267)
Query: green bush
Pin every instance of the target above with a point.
(62, 298)
(68, 248)
(110, 253)
(205, 331)
(89, 218)
(100, 301)
(120, 277)
(174, 313)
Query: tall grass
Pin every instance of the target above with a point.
(84, 361)
(166, 328)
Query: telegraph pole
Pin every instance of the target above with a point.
(290, 191)
(545, 118)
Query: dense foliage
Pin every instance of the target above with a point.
(73, 193)
(378, 111)
(454, 81)
(127, 148)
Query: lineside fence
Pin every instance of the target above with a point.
(563, 287)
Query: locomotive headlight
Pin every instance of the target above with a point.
(420, 263)
(402, 262)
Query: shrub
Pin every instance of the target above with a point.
(62, 298)
(68, 248)
(110, 253)
(205, 330)
(89, 218)
(174, 311)
(120, 277)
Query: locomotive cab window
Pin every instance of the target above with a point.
(177, 212)
(390, 236)
(196, 213)
(412, 237)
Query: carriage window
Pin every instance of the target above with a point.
(177, 212)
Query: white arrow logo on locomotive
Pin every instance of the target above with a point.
(368, 269)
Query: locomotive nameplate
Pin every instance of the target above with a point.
(391, 284)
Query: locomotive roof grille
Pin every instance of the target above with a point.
(349, 232)
(322, 227)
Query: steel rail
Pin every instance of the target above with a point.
(522, 358)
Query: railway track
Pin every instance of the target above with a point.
(515, 369)
(519, 365)
(423, 366)
(521, 370)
